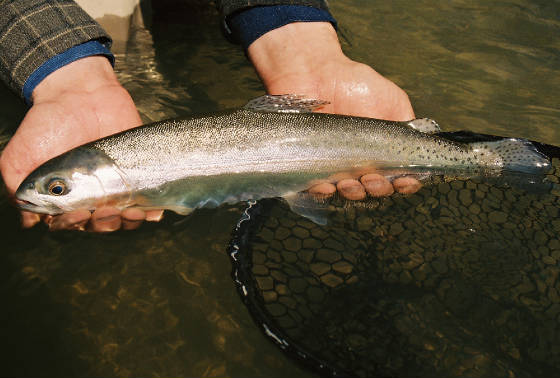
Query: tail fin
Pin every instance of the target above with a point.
(517, 155)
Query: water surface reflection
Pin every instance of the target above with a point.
(159, 301)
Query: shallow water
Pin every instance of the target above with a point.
(160, 301)
(425, 285)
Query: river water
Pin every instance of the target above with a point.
(159, 301)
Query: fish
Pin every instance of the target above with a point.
(273, 147)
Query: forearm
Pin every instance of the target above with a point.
(34, 32)
(283, 38)
(82, 76)
(283, 52)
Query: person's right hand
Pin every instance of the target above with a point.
(80, 102)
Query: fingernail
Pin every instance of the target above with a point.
(154, 216)
(131, 224)
(105, 228)
(81, 226)
(55, 225)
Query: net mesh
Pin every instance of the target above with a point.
(458, 279)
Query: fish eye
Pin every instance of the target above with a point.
(57, 187)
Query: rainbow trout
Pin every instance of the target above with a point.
(272, 147)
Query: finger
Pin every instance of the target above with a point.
(406, 185)
(351, 189)
(154, 215)
(74, 220)
(105, 219)
(132, 218)
(377, 185)
(323, 190)
(337, 177)
(364, 170)
(29, 219)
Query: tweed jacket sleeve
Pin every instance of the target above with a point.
(228, 7)
(33, 31)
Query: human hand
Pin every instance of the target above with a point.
(305, 58)
(78, 103)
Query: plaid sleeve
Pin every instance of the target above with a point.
(34, 31)
(228, 7)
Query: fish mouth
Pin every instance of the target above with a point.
(24, 194)
(34, 208)
(25, 205)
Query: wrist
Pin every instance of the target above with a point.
(90, 48)
(298, 49)
(80, 76)
(253, 22)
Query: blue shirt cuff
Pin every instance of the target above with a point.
(72, 54)
(248, 25)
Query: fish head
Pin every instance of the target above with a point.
(83, 178)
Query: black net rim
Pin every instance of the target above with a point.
(240, 254)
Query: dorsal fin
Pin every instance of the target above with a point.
(288, 103)
(424, 125)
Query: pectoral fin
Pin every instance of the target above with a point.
(308, 206)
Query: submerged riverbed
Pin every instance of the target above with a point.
(160, 301)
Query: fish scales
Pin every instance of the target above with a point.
(245, 141)
(273, 147)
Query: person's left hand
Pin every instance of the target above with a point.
(305, 58)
